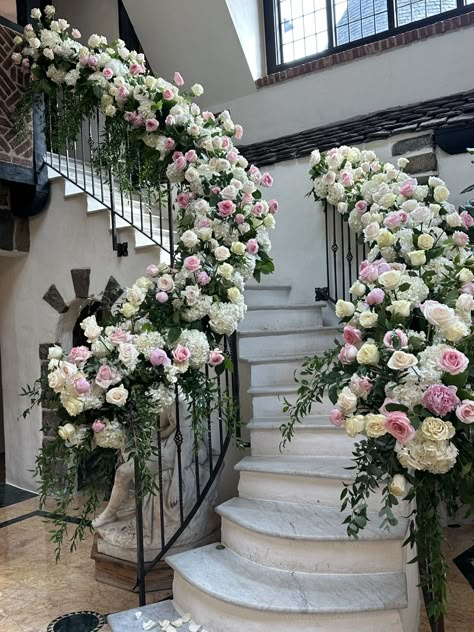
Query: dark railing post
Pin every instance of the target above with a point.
(139, 534)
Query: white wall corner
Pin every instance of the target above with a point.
(247, 16)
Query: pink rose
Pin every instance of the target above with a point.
(247, 198)
(453, 361)
(465, 411)
(183, 199)
(383, 266)
(404, 216)
(192, 263)
(440, 399)
(76, 34)
(408, 187)
(392, 220)
(351, 335)
(208, 116)
(225, 142)
(232, 156)
(78, 355)
(161, 297)
(238, 131)
(467, 288)
(460, 239)
(158, 357)
(347, 354)
(204, 222)
(181, 354)
(226, 208)
(191, 155)
(361, 384)
(399, 426)
(119, 336)
(108, 73)
(216, 190)
(107, 376)
(203, 278)
(123, 92)
(151, 125)
(92, 61)
(178, 79)
(81, 386)
(170, 120)
(388, 338)
(258, 209)
(336, 417)
(266, 180)
(152, 270)
(168, 94)
(375, 297)
(273, 206)
(361, 206)
(216, 357)
(98, 425)
(347, 179)
(467, 219)
(136, 69)
(239, 218)
(369, 273)
(252, 246)
(169, 144)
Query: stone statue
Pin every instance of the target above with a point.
(116, 524)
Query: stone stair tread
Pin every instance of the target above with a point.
(126, 621)
(281, 357)
(275, 389)
(309, 423)
(269, 286)
(317, 466)
(235, 580)
(293, 306)
(295, 521)
(316, 329)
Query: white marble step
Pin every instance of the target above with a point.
(315, 437)
(268, 401)
(301, 537)
(309, 340)
(133, 620)
(227, 593)
(267, 294)
(263, 317)
(269, 370)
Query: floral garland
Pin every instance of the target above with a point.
(109, 393)
(403, 379)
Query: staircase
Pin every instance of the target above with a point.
(285, 560)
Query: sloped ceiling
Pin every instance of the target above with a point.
(197, 38)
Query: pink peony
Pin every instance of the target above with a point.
(399, 426)
(107, 376)
(78, 355)
(460, 239)
(98, 425)
(351, 335)
(192, 263)
(76, 34)
(336, 417)
(388, 338)
(226, 208)
(347, 354)
(252, 246)
(181, 354)
(178, 79)
(119, 336)
(440, 399)
(162, 297)
(81, 386)
(453, 361)
(375, 297)
(158, 357)
(136, 69)
(216, 357)
(465, 411)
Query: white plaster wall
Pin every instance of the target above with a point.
(458, 173)
(90, 16)
(248, 21)
(423, 70)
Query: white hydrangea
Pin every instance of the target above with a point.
(437, 457)
(416, 293)
(198, 311)
(161, 396)
(147, 341)
(112, 436)
(196, 341)
(246, 266)
(224, 317)
(409, 395)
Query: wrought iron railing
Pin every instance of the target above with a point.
(79, 157)
(344, 254)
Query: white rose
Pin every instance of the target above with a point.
(68, 370)
(425, 241)
(166, 283)
(398, 485)
(375, 426)
(388, 200)
(465, 303)
(454, 332)
(401, 361)
(204, 234)
(117, 396)
(400, 308)
(197, 89)
(238, 248)
(136, 295)
(454, 220)
(110, 110)
(48, 53)
(402, 162)
(354, 425)
(128, 355)
(129, 310)
(234, 295)
(73, 405)
(420, 215)
(56, 381)
(385, 238)
(371, 231)
(436, 429)
(35, 14)
(368, 319)
(441, 194)
(189, 238)
(225, 270)
(358, 289)
(344, 309)
(55, 352)
(221, 253)
(94, 41)
(465, 276)
(347, 401)
(49, 10)
(66, 431)
(390, 279)
(368, 354)
(417, 257)
(438, 314)
(315, 158)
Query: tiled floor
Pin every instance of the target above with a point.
(34, 590)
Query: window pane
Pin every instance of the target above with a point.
(356, 19)
(413, 10)
(303, 28)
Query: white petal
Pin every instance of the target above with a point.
(186, 618)
(170, 628)
(178, 623)
(149, 624)
(164, 624)
(138, 615)
(194, 627)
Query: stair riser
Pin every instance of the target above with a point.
(268, 345)
(261, 296)
(272, 405)
(322, 556)
(270, 373)
(282, 318)
(308, 442)
(219, 616)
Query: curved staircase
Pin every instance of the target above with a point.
(285, 560)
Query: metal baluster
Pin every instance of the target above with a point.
(66, 140)
(170, 223)
(59, 148)
(219, 410)
(343, 266)
(160, 202)
(83, 157)
(101, 179)
(326, 228)
(140, 198)
(349, 255)
(334, 249)
(209, 431)
(90, 142)
(235, 380)
(139, 530)
(160, 485)
(178, 438)
(196, 466)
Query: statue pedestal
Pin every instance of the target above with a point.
(123, 573)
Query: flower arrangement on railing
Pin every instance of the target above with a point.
(402, 379)
(172, 322)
